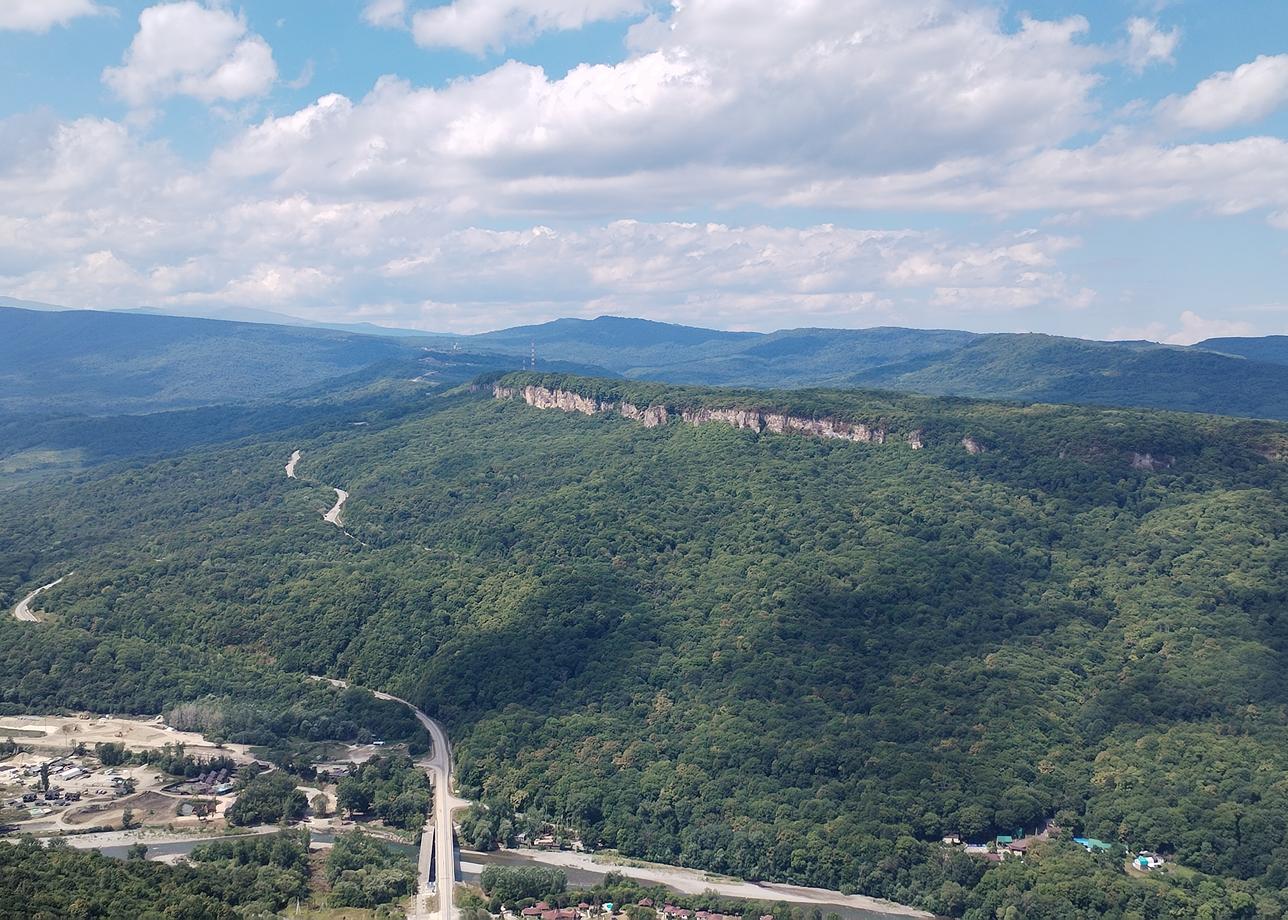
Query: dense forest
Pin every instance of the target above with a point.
(239, 878)
(774, 656)
(230, 880)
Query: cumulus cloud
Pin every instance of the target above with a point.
(1147, 44)
(386, 206)
(478, 26)
(718, 101)
(1189, 329)
(193, 50)
(1233, 97)
(43, 15)
(1115, 176)
(102, 233)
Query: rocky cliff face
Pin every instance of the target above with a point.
(745, 419)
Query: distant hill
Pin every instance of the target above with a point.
(1269, 348)
(1040, 368)
(1028, 367)
(107, 363)
(230, 314)
(100, 362)
(619, 344)
(808, 357)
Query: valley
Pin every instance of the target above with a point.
(783, 635)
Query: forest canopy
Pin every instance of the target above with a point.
(773, 656)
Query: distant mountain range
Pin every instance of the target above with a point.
(232, 314)
(1247, 377)
(102, 362)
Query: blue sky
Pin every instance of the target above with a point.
(1107, 169)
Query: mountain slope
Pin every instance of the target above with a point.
(776, 656)
(806, 357)
(1013, 366)
(1269, 348)
(614, 342)
(1051, 369)
(98, 362)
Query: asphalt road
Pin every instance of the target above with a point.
(23, 610)
(437, 844)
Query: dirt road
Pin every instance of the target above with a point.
(690, 881)
(23, 610)
(333, 516)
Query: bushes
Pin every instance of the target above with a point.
(227, 881)
(364, 873)
(395, 788)
(268, 798)
(514, 883)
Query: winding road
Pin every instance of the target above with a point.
(23, 610)
(333, 516)
(341, 496)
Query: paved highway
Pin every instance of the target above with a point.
(437, 843)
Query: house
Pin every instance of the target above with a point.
(1019, 846)
(646, 902)
(1146, 861)
(1092, 845)
(952, 840)
(531, 912)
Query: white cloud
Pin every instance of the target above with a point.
(43, 15)
(479, 26)
(720, 103)
(382, 206)
(99, 219)
(1147, 44)
(189, 49)
(386, 14)
(1190, 328)
(1117, 176)
(1241, 96)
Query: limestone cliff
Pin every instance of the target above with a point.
(756, 420)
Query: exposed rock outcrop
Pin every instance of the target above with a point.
(746, 419)
(1149, 462)
(972, 446)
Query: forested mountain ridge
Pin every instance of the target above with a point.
(1246, 378)
(1053, 369)
(1143, 441)
(97, 363)
(1270, 348)
(769, 655)
(107, 363)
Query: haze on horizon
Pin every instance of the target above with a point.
(1111, 169)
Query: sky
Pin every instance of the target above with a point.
(1104, 169)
